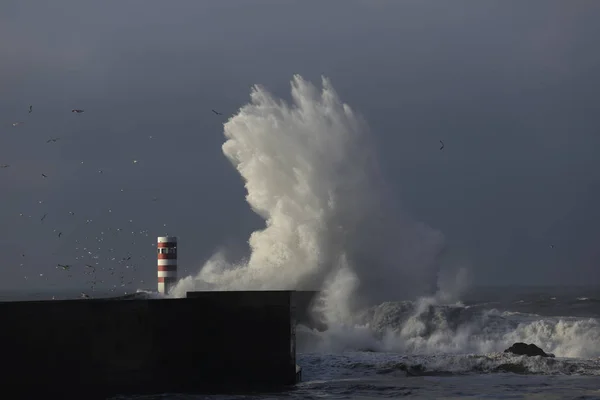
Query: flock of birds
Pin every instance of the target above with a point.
(111, 267)
(100, 269)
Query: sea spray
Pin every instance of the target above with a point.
(312, 173)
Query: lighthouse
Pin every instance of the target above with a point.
(167, 263)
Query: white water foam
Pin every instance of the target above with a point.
(310, 171)
(429, 329)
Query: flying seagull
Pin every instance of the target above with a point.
(18, 123)
(30, 108)
(44, 175)
(216, 112)
(4, 166)
(53, 140)
(76, 110)
(64, 266)
(442, 148)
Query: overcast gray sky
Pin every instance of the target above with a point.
(511, 87)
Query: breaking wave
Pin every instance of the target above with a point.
(425, 328)
(311, 173)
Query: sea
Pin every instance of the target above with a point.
(407, 350)
(311, 169)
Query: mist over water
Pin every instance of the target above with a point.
(311, 172)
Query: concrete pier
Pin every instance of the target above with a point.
(209, 342)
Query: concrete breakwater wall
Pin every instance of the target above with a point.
(207, 342)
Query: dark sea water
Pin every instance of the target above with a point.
(425, 350)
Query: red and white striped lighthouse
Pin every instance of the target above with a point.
(167, 263)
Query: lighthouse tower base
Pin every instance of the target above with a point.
(166, 284)
(167, 263)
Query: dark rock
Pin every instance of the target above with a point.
(524, 349)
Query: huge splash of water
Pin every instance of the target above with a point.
(311, 172)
